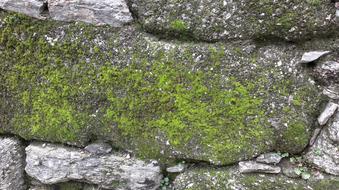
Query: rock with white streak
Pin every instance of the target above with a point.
(269, 158)
(11, 164)
(327, 113)
(332, 92)
(255, 167)
(311, 56)
(52, 164)
(111, 12)
(33, 8)
(176, 169)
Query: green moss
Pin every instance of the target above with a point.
(72, 90)
(179, 26)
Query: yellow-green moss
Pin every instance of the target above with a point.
(71, 90)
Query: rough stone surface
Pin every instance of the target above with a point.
(98, 148)
(255, 167)
(327, 113)
(312, 56)
(231, 179)
(324, 153)
(219, 103)
(11, 164)
(332, 92)
(269, 158)
(328, 72)
(210, 20)
(53, 164)
(33, 8)
(99, 12)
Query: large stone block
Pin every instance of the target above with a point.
(33, 8)
(99, 12)
(52, 164)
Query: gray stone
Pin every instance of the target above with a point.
(324, 154)
(33, 8)
(315, 135)
(255, 167)
(327, 73)
(229, 178)
(327, 113)
(332, 92)
(11, 164)
(98, 148)
(98, 12)
(333, 129)
(313, 56)
(53, 164)
(269, 158)
(176, 169)
(227, 20)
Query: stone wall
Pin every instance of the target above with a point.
(167, 94)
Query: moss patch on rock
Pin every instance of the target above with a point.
(72, 83)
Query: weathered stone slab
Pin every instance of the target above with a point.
(52, 164)
(226, 20)
(229, 178)
(98, 12)
(11, 164)
(312, 56)
(33, 8)
(255, 167)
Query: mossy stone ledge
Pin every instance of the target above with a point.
(73, 83)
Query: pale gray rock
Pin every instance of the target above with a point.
(315, 135)
(11, 164)
(269, 158)
(327, 113)
(111, 12)
(332, 92)
(53, 164)
(176, 169)
(255, 167)
(33, 8)
(98, 148)
(333, 129)
(324, 154)
(313, 56)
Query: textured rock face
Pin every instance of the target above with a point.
(11, 164)
(33, 8)
(324, 153)
(159, 99)
(210, 20)
(231, 179)
(252, 167)
(99, 12)
(51, 164)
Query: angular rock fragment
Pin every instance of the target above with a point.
(269, 158)
(33, 8)
(332, 92)
(176, 169)
(327, 113)
(111, 12)
(313, 56)
(255, 167)
(11, 164)
(54, 164)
